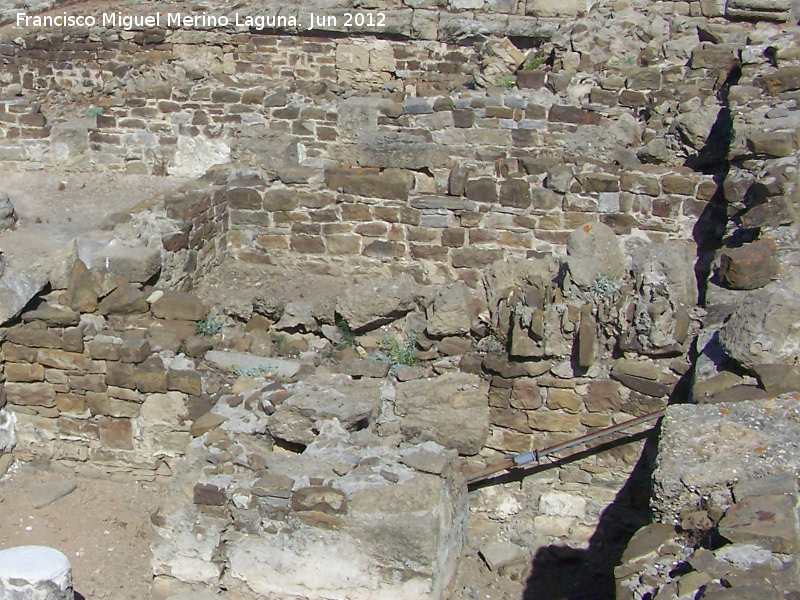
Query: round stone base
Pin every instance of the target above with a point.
(35, 573)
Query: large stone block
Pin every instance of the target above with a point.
(452, 410)
(546, 8)
(592, 252)
(393, 525)
(399, 150)
(750, 266)
(133, 265)
(763, 329)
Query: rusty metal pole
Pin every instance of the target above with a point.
(518, 460)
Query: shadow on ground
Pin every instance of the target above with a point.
(564, 573)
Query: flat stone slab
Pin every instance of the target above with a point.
(767, 521)
(242, 361)
(44, 494)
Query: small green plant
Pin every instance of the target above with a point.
(94, 111)
(182, 349)
(348, 337)
(252, 371)
(536, 61)
(278, 339)
(399, 353)
(604, 287)
(209, 326)
(508, 81)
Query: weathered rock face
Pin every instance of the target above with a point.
(763, 328)
(372, 303)
(451, 410)
(722, 477)
(708, 448)
(592, 252)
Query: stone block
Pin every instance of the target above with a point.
(713, 56)
(184, 380)
(182, 306)
(515, 193)
(773, 144)
(31, 394)
(562, 399)
(33, 336)
(116, 433)
(785, 79)
(603, 396)
(547, 9)
(67, 361)
(133, 265)
(451, 410)
(398, 150)
(481, 190)
(23, 372)
(553, 421)
(572, 114)
(16, 353)
(126, 299)
(767, 521)
(151, 377)
(749, 266)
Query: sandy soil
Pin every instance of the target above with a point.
(103, 528)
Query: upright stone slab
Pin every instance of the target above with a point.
(35, 573)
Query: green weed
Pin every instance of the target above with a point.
(348, 339)
(209, 326)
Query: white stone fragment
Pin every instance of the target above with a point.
(35, 572)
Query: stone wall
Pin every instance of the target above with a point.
(597, 132)
(86, 389)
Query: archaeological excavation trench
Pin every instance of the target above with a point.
(270, 297)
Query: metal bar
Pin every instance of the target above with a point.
(528, 457)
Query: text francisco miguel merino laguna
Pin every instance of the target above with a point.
(205, 21)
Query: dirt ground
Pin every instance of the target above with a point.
(50, 217)
(103, 528)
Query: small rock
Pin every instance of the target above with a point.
(365, 367)
(499, 555)
(206, 423)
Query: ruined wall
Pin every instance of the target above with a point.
(91, 391)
